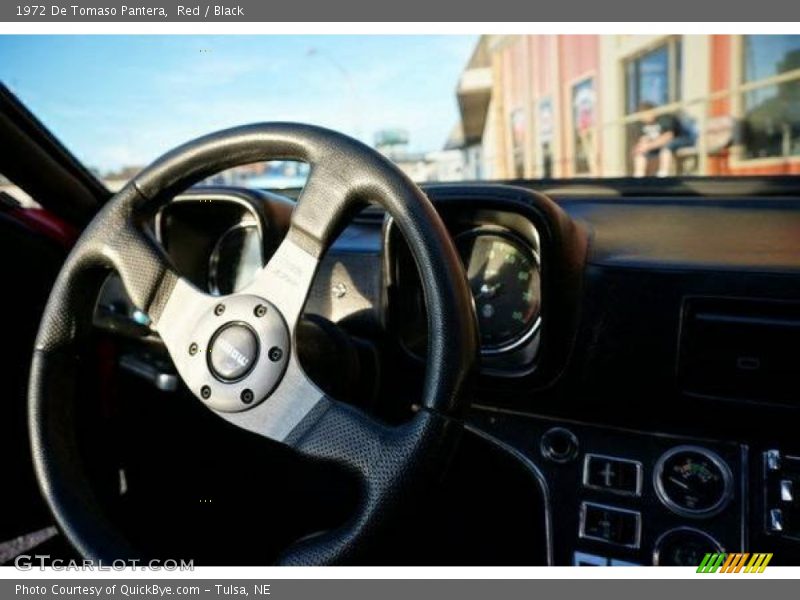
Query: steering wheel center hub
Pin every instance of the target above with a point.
(236, 353)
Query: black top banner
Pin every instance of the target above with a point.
(399, 11)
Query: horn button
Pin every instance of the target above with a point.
(233, 352)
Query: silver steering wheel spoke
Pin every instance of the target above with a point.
(292, 401)
(286, 280)
(236, 353)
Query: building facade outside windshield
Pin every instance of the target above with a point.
(571, 105)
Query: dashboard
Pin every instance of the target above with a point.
(638, 355)
(219, 243)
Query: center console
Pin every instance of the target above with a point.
(622, 497)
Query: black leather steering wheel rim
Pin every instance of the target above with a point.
(345, 174)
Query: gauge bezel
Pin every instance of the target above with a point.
(683, 529)
(727, 478)
(213, 257)
(521, 244)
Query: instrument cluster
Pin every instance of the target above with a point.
(501, 254)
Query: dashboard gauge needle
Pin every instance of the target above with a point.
(679, 482)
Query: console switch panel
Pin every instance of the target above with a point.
(782, 483)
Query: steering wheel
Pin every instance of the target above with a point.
(237, 353)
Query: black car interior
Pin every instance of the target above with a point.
(634, 397)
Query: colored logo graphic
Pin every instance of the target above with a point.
(744, 562)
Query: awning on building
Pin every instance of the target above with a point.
(455, 141)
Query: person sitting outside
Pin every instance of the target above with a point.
(661, 135)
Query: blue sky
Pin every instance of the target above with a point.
(121, 100)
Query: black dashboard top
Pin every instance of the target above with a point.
(711, 234)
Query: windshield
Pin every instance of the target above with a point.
(444, 108)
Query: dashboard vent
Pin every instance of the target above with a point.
(740, 350)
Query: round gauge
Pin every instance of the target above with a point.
(693, 481)
(235, 259)
(684, 547)
(504, 276)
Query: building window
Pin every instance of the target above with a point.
(546, 135)
(771, 99)
(584, 104)
(654, 76)
(518, 124)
